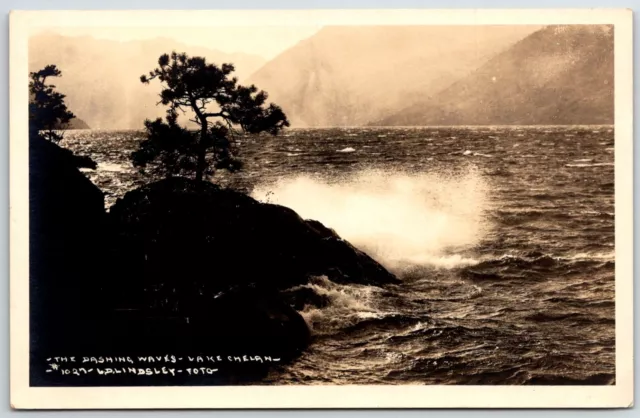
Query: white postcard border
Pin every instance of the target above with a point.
(348, 396)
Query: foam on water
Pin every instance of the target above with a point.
(420, 218)
(608, 256)
(590, 165)
(107, 166)
(348, 305)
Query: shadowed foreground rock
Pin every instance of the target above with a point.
(178, 228)
(176, 268)
(66, 233)
(238, 338)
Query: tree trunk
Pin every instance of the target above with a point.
(201, 152)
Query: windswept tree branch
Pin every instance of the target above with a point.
(48, 112)
(191, 82)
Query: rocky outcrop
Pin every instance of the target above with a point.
(242, 334)
(219, 238)
(66, 222)
(66, 233)
(177, 267)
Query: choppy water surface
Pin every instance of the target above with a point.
(503, 238)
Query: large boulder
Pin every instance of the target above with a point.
(242, 334)
(66, 237)
(175, 268)
(217, 238)
(66, 232)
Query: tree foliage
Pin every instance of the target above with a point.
(48, 113)
(216, 103)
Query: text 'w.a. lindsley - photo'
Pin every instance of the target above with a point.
(269, 209)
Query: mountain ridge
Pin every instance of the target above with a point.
(345, 76)
(559, 75)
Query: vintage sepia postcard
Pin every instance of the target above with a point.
(321, 209)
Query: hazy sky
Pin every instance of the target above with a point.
(264, 41)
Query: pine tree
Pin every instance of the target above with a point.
(219, 106)
(48, 113)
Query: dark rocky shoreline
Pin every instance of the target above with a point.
(176, 267)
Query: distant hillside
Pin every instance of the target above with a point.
(345, 76)
(76, 123)
(101, 78)
(557, 75)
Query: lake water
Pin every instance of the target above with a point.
(503, 238)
